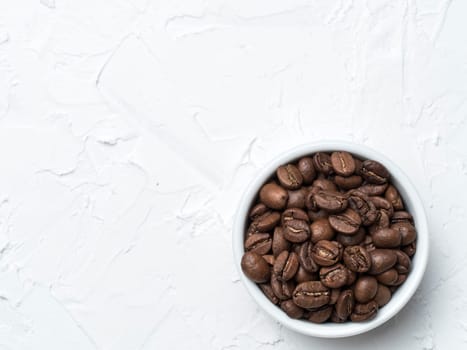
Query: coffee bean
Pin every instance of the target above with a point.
(401, 216)
(357, 258)
(303, 275)
(361, 203)
(274, 196)
(315, 215)
(255, 267)
(311, 294)
(351, 278)
(386, 238)
(296, 231)
(374, 172)
(327, 253)
(324, 185)
(345, 304)
(363, 312)
(279, 243)
(259, 243)
(320, 315)
(267, 221)
(372, 189)
(365, 289)
(383, 295)
(270, 259)
(292, 310)
(294, 214)
(285, 266)
(331, 201)
(381, 222)
(267, 290)
(392, 195)
(367, 243)
(289, 177)
(258, 210)
(335, 318)
(307, 169)
(403, 262)
(342, 163)
(305, 257)
(322, 163)
(347, 222)
(321, 229)
(335, 292)
(334, 276)
(410, 249)
(406, 230)
(388, 277)
(382, 204)
(282, 290)
(355, 239)
(297, 198)
(381, 260)
(348, 183)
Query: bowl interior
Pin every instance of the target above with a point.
(402, 295)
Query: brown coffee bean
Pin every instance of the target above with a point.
(363, 312)
(386, 238)
(270, 259)
(321, 229)
(374, 172)
(335, 292)
(286, 266)
(259, 243)
(367, 243)
(361, 203)
(327, 253)
(255, 267)
(316, 215)
(289, 177)
(307, 169)
(348, 183)
(335, 318)
(381, 260)
(381, 222)
(334, 276)
(297, 198)
(351, 278)
(291, 309)
(345, 304)
(331, 201)
(382, 204)
(403, 262)
(365, 289)
(294, 214)
(357, 258)
(258, 210)
(279, 243)
(401, 216)
(282, 290)
(267, 290)
(267, 221)
(342, 163)
(323, 185)
(410, 249)
(407, 232)
(322, 163)
(274, 196)
(303, 275)
(392, 195)
(311, 294)
(372, 189)
(305, 257)
(383, 295)
(355, 239)
(320, 315)
(388, 277)
(296, 231)
(347, 222)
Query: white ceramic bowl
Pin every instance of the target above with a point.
(404, 293)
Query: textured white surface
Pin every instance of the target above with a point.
(129, 128)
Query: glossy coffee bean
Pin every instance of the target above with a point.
(289, 177)
(319, 214)
(321, 229)
(381, 260)
(291, 309)
(348, 222)
(342, 163)
(258, 210)
(334, 276)
(255, 267)
(307, 169)
(279, 243)
(383, 295)
(335, 292)
(324, 185)
(389, 277)
(401, 216)
(355, 239)
(297, 198)
(322, 163)
(345, 304)
(382, 204)
(392, 195)
(296, 231)
(357, 258)
(305, 257)
(381, 222)
(348, 183)
(320, 315)
(386, 238)
(367, 243)
(365, 208)
(351, 278)
(311, 294)
(407, 232)
(285, 266)
(410, 249)
(267, 221)
(374, 172)
(270, 259)
(259, 243)
(294, 214)
(274, 196)
(363, 312)
(403, 262)
(365, 289)
(331, 201)
(372, 189)
(303, 275)
(267, 290)
(335, 318)
(327, 253)
(282, 290)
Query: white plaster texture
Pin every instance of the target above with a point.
(129, 128)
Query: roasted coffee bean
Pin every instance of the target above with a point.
(367, 243)
(282, 290)
(381, 260)
(351, 278)
(401, 216)
(365, 289)
(255, 267)
(315, 215)
(345, 304)
(342, 163)
(274, 196)
(363, 312)
(347, 222)
(382, 204)
(270, 259)
(407, 232)
(311, 294)
(289, 177)
(267, 290)
(374, 172)
(348, 183)
(279, 243)
(321, 229)
(372, 189)
(291, 309)
(296, 231)
(297, 198)
(323, 185)
(259, 243)
(361, 203)
(305, 257)
(331, 201)
(403, 262)
(355, 239)
(327, 253)
(386, 238)
(381, 222)
(267, 221)
(383, 295)
(303, 275)
(310, 202)
(252, 229)
(285, 266)
(320, 315)
(392, 195)
(410, 249)
(258, 210)
(388, 277)
(335, 318)
(334, 276)
(357, 258)
(307, 169)
(334, 296)
(294, 214)
(322, 163)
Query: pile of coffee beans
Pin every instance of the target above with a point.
(329, 238)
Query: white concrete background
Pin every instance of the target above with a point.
(129, 128)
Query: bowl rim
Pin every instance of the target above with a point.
(411, 199)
